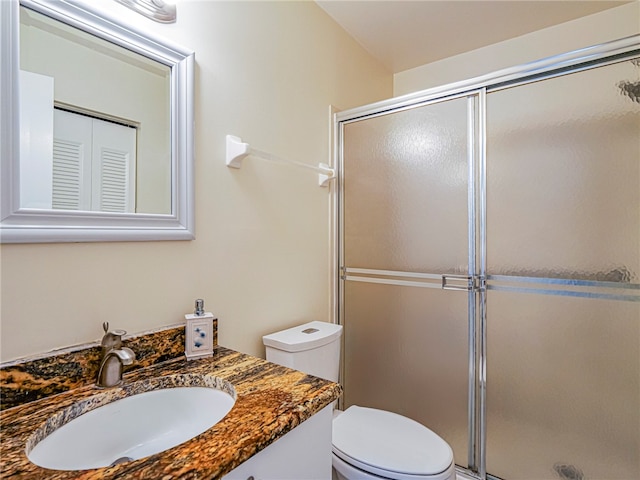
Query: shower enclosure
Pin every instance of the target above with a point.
(489, 263)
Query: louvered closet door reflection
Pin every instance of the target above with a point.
(114, 167)
(405, 219)
(72, 143)
(94, 164)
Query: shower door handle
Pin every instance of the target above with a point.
(464, 283)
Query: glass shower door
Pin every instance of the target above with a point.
(563, 265)
(408, 229)
(530, 367)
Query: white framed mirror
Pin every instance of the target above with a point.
(96, 128)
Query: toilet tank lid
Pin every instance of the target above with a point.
(304, 337)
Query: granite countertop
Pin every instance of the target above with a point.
(271, 401)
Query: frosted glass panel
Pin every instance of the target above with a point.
(563, 202)
(563, 177)
(406, 352)
(405, 190)
(563, 387)
(406, 210)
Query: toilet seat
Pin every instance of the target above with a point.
(390, 445)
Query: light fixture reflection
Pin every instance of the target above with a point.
(158, 10)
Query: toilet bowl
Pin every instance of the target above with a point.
(375, 444)
(367, 443)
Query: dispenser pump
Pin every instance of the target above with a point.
(199, 311)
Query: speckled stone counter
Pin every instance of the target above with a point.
(271, 401)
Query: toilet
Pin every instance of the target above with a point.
(368, 443)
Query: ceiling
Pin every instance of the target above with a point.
(405, 34)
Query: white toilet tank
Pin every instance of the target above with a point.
(312, 348)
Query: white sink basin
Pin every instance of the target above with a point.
(133, 427)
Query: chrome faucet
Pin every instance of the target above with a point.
(114, 357)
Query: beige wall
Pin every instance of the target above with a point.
(267, 72)
(594, 29)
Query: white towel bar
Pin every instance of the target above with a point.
(237, 151)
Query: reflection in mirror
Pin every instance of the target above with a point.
(96, 134)
(102, 113)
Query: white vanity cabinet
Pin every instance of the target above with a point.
(302, 454)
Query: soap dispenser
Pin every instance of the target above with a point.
(200, 333)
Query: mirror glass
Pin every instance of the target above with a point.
(96, 129)
(94, 122)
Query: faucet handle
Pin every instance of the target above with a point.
(112, 339)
